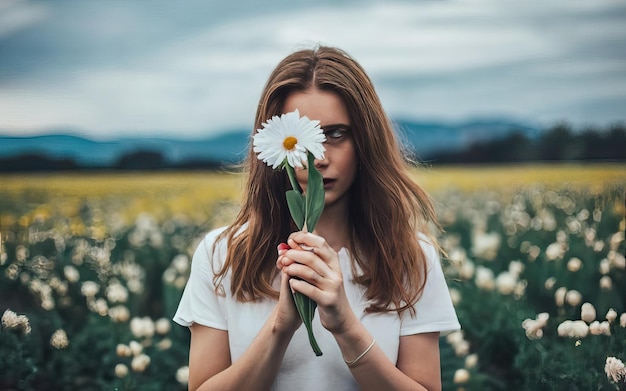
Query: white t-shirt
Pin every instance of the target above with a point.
(301, 369)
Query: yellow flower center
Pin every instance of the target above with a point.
(290, 143)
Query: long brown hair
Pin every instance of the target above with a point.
(387, 208)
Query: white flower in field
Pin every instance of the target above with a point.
(182, 375)
(47, 303)
(573, 297)
(520, 289)
(471, 360)
(533, 253)
(169, 276)
(555, 251)
(140, 363)
(461, 376)
(597, 215)
(484, 278)
(98, 306)
(121, 370)
(71, 273)
(89, 288)
(590, 236)
(21, 253)
(559, 296)
(116, 292)
(180, 282)
(564, 329)
(606, 283)
(573, 329)
(135, 285)
(616, 239)
(181, 263)
(455, 337)
(594, 328)
(461, 348)
(11, 320)
(466, 271)
(622, 319)
(579, 329)
(516, 268)
(164, 344)
(615, 369)
(486, 245)
(162, 326)
(611, 315)
(574, 264)
(505, 282)
(142, 327)
(119, 314)
(458, 343)
(600, 328)
(573, 225)
(588, 312)
(605, 327)
(457, 255)
(605, 266)
(135, 348)
(617, 259)
(59, 339)
(156, 239)
(286, 139)
(549, 284)
(533, 327)
(598, 246)
(123, 350)
(455, 295)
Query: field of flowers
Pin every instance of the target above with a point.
(92, 267)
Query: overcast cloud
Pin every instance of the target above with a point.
(196, 68)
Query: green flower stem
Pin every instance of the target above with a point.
(291, 173)
(305, 211)
(306, 309)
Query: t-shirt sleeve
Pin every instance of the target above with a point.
(434, 310)
(200, 303)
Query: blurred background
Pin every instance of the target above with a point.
(120, 123)
(452, 74)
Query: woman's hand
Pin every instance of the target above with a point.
(316, 272)
(287, 318)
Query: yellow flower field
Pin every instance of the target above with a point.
(92, 266)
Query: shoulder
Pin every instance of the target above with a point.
(210, 251)
(430, 249)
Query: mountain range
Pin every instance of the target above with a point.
(423, 138)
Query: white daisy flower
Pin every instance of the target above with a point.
(289, 138)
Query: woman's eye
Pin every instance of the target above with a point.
(335, 135)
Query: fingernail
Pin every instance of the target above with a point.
(282, 248)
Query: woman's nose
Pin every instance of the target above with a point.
(321, 162)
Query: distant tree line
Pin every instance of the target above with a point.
(558, 143)
(136, 160)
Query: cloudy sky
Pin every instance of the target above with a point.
(195, 68)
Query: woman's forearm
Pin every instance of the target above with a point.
(256, 369)
(374, 371)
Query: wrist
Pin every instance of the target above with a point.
(349, 325)
(283, 327)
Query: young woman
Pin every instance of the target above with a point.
(373, 269)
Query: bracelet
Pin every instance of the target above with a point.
(353, 362)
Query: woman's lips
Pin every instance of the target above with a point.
(328, 183)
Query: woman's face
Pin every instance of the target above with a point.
(339, 166)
